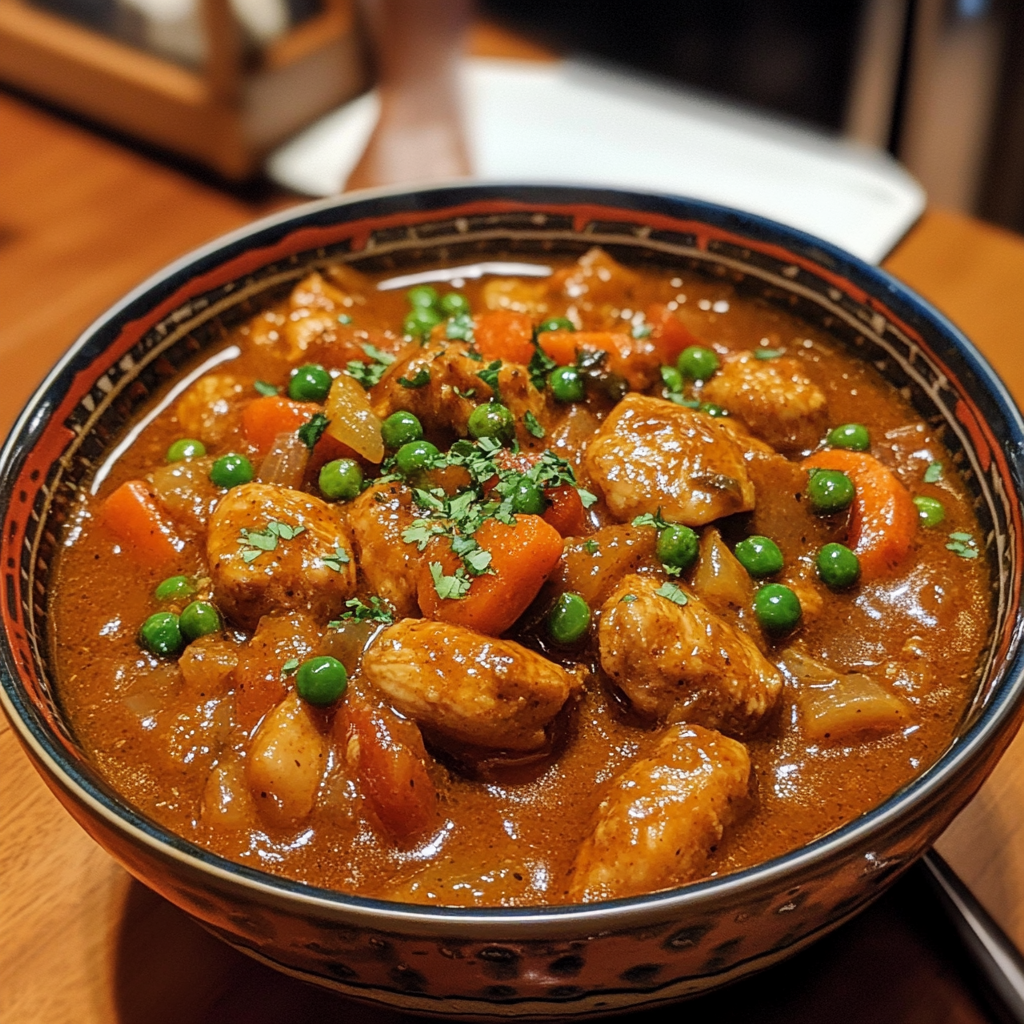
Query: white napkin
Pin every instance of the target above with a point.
(574, 122)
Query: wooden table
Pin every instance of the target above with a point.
(82, 219)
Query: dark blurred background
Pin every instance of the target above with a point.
(938, 83)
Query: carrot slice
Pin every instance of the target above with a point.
(266, 417)
(565, 511)
(503, 334)
(884, 518)
(522, 558)
(669, 334)
(391, 762)
(134, 517)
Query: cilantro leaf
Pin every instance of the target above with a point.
(540, 365)
(533, 424)
(375, 611)
(591, 547)
(460, 327)
(312, 430)
(489, 375)
(627, 599)
(263, 388)
(468, 393)
(672, 593)
(449, 588)
(337, 560)
(369, 374)
(420, 378)
(768, 353)
(289, 666)
(254, 542)
(642, 331)
(962, 544)
(344, 318)
(655, 520)
(934, 473)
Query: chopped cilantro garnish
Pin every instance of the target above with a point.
(655, 520)
(627, 599)
(289, 666)
(312, 430)
(460, 327)
(449, 588)
(768, 353)
(962, 544)
(672, 593)
(689, 403)
(468, 393)
(263, 388)
(369, 374)
(375, 611)
(490, 375)
(337, 560)
(533, 424)
(418, 379)
(540, 365)
(591, 547)
(255, 542)
(591, 359)
(934, 472)
(344, 318)
(642, 330)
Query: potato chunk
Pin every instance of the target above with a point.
(663, 816)
(307, 566)
(467, 687)
(286, 762)
(652, 454)
(682, 662)
(773, 397)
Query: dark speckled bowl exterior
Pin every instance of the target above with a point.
(544, 962)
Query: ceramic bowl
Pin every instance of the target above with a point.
(544, 962)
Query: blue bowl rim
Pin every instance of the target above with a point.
(912, 801)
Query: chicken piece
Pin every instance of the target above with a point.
(652, 454)
(273, 548)
(314, 294)
(515, 294)
(467, 687)
(681, 662)
(391, 567)
(595, 278)
(209, 409)
(441, 404)
(773, 397)
(663, 816)
(287, 761)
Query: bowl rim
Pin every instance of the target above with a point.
(913, 800)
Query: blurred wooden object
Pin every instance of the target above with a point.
(226, 116)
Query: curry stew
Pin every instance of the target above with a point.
(520, 590)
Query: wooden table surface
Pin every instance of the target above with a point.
(84, 217)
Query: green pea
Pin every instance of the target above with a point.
(566, 384)
(849, 435)
(777, 608)
(492, 420)
(309, 383)
(672, 378)
(455, 303)
(713, 410)
(186, 448)
(340, 480)
(838, 566)
(556, 323)
(677, 546)
(231, 470)
(161, 634)
(423, 296)
(321, 680)
(830, 491)
(527, 498)
(760, 556)
(421, 321)
(197, 619)
(174, 587)
(569, 619)
(400, 428)
(697, 362)
(931, 511)
(414, 457)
